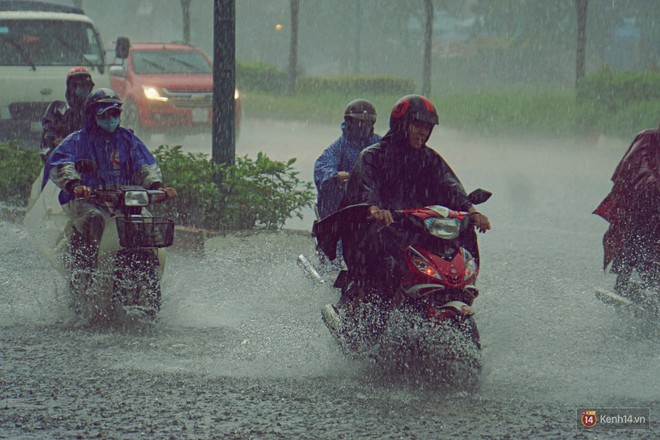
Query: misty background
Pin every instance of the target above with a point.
(476, 43)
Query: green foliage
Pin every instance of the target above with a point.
(322, 107)
(356, 85)
(262, 77)
(259, 76)
(18, 169)
(614, 103)
(510, 112)
(613, 91)
(248, 194)
(547, 111)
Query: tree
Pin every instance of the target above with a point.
(185, 10)
(428, 40)
(580, 59)
(293, 51)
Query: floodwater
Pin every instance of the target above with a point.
(240, 351)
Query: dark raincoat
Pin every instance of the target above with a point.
(392, 176)
(340, 156)
(632, 207)
(60, 120)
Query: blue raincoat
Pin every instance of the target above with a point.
(121, 157)
(340, 156)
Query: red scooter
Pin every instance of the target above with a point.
(428, 323)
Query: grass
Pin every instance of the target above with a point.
(548, 111)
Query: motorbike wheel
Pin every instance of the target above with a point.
(137, 283)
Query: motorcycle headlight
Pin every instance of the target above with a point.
(423, 265)
(445, 228)
(136, 198)
(153, 94)
(470, 265)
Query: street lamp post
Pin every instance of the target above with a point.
(224, 82)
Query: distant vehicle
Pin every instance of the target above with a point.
(166, 88)
(39, 42)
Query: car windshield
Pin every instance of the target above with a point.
(169, 61)
(48, 43)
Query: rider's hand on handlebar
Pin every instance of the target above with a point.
(382, 216)
(82, 192)
(170, 193)
(341, 176)
(480, 221)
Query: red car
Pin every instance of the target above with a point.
(166, 88)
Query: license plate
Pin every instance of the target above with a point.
(200, 114)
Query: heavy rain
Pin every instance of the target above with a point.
(239, 349)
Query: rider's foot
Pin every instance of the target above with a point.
(331, 319)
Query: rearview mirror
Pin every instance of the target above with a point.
(118, 71)
(479, 196)
(86, 166)
(121, 47)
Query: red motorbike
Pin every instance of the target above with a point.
(428, 324)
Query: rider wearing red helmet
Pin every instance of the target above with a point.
(63, 118)
(401, 172)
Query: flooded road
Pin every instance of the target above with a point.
(240, 351)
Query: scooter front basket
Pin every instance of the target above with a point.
(145, 232)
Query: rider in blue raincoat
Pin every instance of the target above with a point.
(332, 169)
(120, 158)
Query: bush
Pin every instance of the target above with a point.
(356, 85)
(262, 77)
(613, 91)
(18, 169)
(617, 103)
(259, 76)
(249, 194)
(510, 112)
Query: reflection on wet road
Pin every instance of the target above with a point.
(240, 350)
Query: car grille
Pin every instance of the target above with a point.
(188, 99)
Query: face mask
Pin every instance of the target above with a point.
(359, 131)
(82, 92)
(108, 124)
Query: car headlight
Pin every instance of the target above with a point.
(236, 94)
(153, 94)
(136, 198)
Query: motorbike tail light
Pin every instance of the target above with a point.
(136, 198)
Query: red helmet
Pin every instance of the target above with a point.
(412, 108)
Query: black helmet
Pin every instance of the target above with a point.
(360, 109)
(412, 108)
(101, 100)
